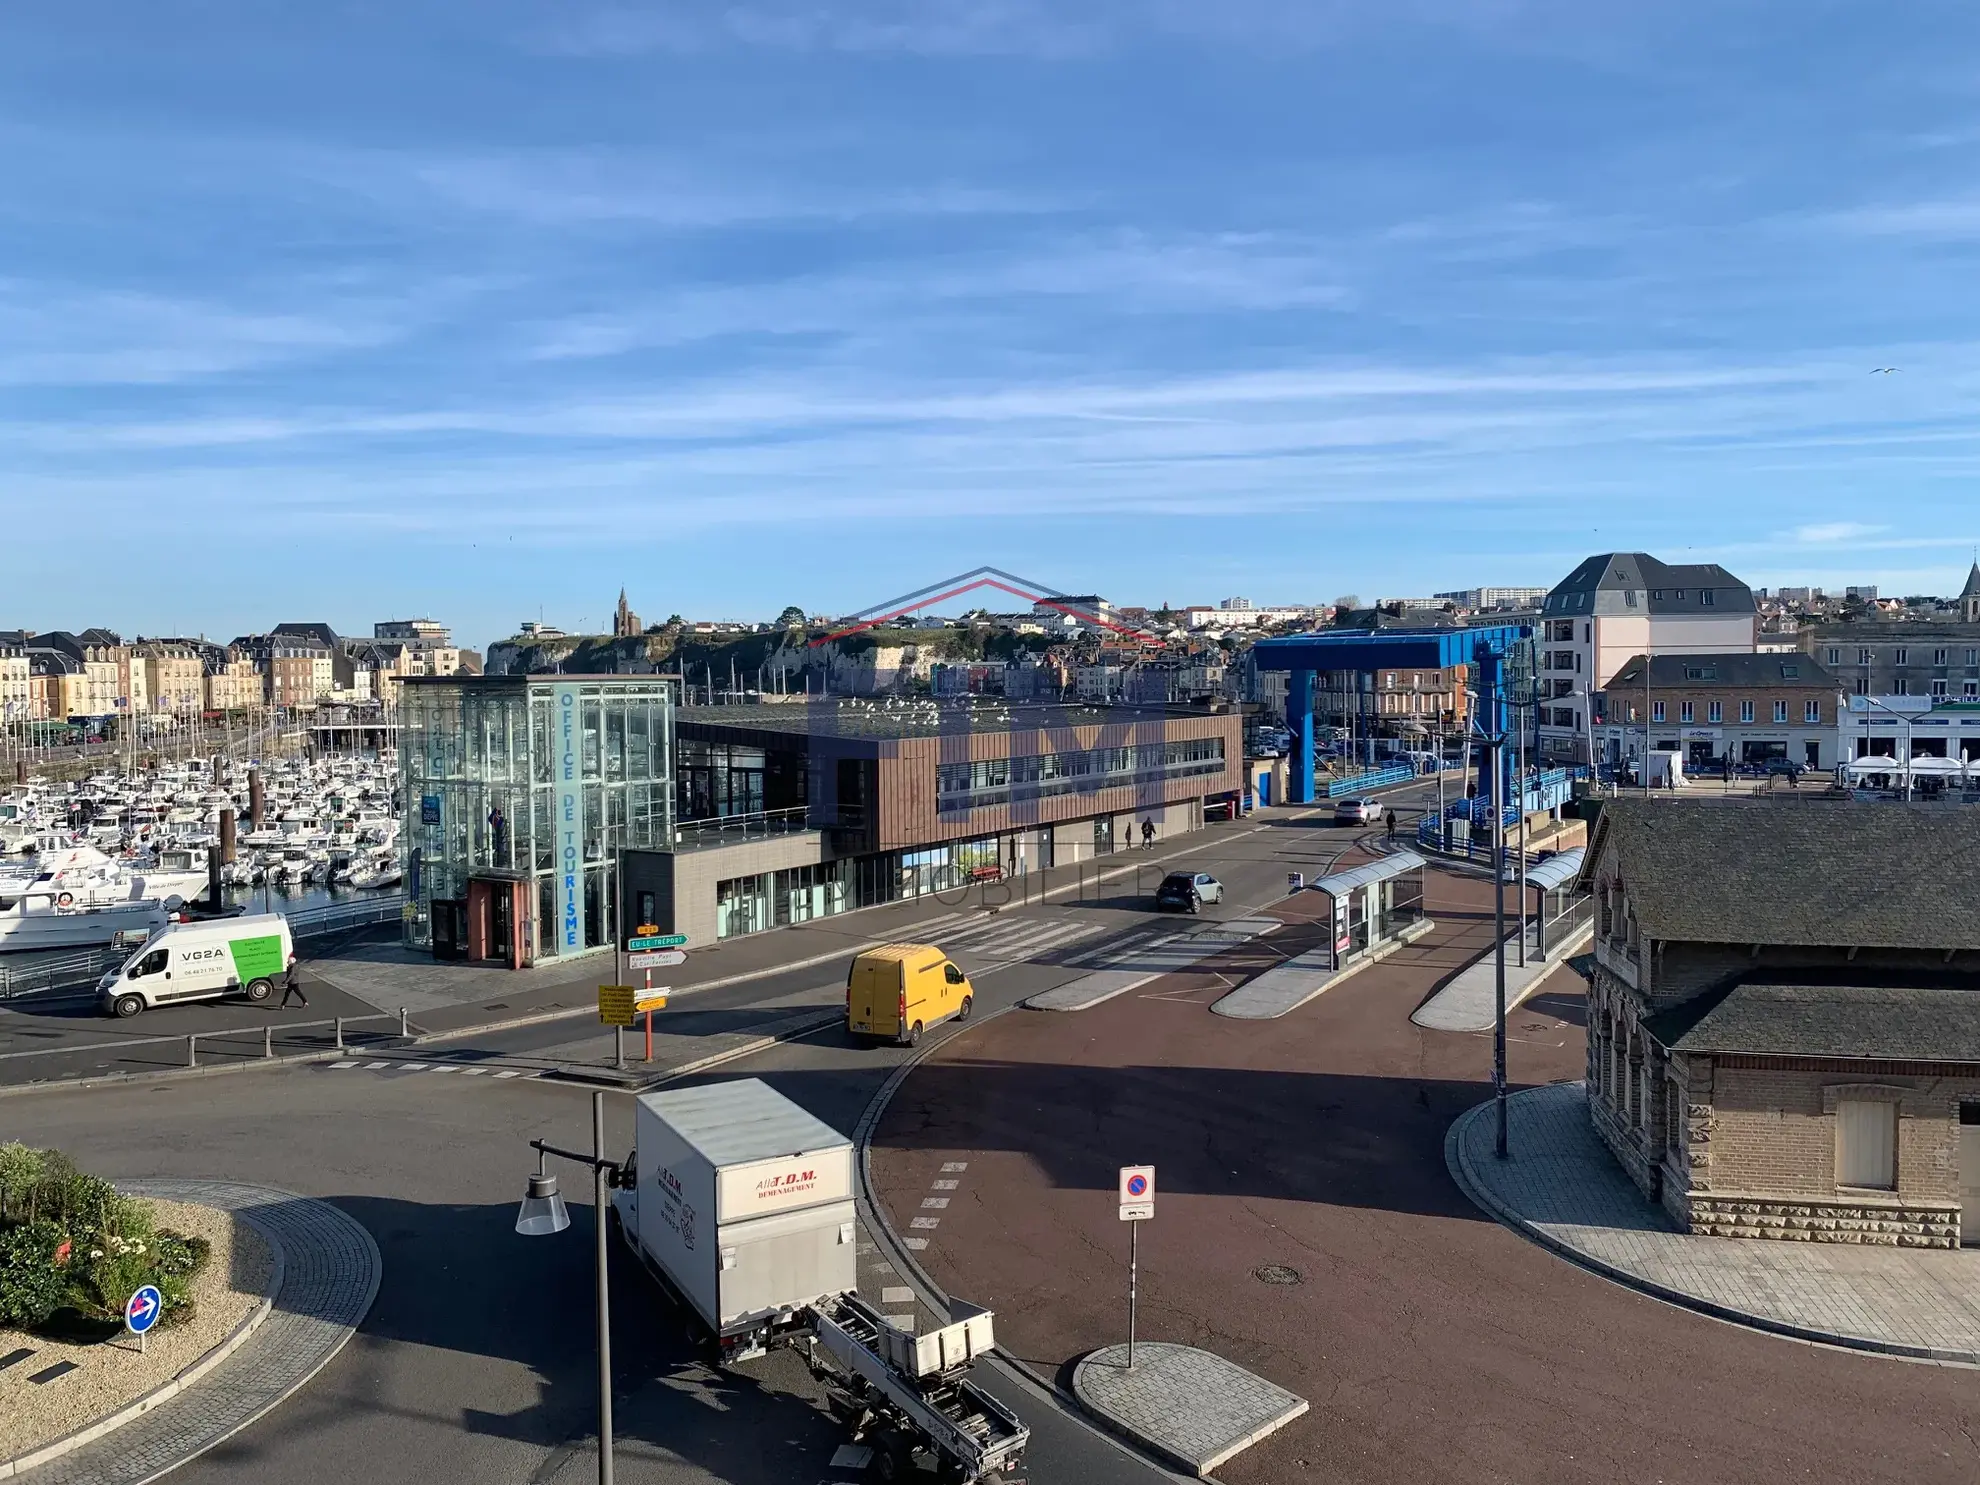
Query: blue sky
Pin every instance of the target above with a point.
(349, 310)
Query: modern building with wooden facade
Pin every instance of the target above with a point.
(719, 821)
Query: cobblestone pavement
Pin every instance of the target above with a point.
(330, 1272)
(1562, 1187)
(1190, 1405)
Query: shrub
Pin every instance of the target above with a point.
(69, 1241)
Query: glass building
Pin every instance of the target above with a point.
(518, 792)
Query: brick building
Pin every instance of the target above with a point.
(1784, 1015)
(1753, 707)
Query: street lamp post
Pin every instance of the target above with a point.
(1495, 742)
(543, 1213)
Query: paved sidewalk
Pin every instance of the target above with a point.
(1186, 1404)
(1466, 1003)
(1562, 1188)
(330, 1270)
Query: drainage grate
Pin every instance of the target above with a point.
(1276, 1273)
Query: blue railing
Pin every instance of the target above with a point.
(1377, 778)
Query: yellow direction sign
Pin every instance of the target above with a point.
(615, 1004)
(650, 1000)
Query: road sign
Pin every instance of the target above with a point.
(647, 929)
(616, 1004)
(142, 1309)
(657, 941)
(650, 999)
(1137, 1193)
(655, 958)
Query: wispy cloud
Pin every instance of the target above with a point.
(1829, 533)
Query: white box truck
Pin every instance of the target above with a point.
(743, 1203)
(243, 956)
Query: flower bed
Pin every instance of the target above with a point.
(72, 1250)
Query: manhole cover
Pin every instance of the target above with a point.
(1276, 1273)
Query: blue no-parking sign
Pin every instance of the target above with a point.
(142, 1309)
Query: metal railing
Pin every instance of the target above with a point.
(84, 967)
(248, 1043)
(718, 830)
(1375, 778)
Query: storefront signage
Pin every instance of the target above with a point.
(569, 822)
(429, 809)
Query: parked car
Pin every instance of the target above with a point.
(1784, 767)
(1358, 811)
(1186, 891)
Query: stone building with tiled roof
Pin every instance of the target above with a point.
(1784, 1015)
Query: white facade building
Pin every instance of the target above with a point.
(1619, 605)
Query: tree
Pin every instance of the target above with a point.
(1348, 600)
(675, 621)
(791, 618)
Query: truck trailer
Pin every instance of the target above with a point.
(740, 1204)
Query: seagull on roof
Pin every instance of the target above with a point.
(1884, 370)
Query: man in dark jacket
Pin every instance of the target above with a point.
(292, 985)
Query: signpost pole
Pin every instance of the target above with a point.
(649, 1016)
(1134, 1264)
(619, 1048)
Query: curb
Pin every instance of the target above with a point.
(212, 1070)
(173, 1386)
(1480, 1196)
(931, 1293)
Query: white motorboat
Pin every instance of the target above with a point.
(36, 920)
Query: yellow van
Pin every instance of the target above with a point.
(898, 991)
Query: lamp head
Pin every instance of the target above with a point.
(542, 1212)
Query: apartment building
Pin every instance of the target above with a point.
(174, 675)
(231, 681)
(17, 689)
(1709, 707)
(1939, 659)
(1619, 605)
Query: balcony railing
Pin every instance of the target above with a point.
(722, 830)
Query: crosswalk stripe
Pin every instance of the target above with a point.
(343, 1064)
(509, 1072)
(473, 1072)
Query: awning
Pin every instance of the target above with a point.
(1556, 871)
(1343, 882)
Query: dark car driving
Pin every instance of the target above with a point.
(1185, 892)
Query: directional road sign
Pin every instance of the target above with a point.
(1137, 1193)
(142, 1309)
(650, 1000)
(616, 1004)
(655, 958)
(657, 941)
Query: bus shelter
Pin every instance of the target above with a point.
(1373, 903)
(1561, 910)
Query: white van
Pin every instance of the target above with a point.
(201, 961)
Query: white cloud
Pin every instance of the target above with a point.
(1829, 533)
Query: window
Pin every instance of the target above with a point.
(1790, 672)
(1708, 597)
(1835, 655)
(1629, 598)
(1680, 595)
(1656, 711)
(1746, 711)
(1715, 711)
(1968, 690)
(1658, 594)
(1939, 657)
(1701, 672)
(1684, 711)
(1901, 656)
(1938, 690)
(1780, 711)
(1811, 711)
(1899, 687)
(1973, 657)
(1863, 656)
(1866, 1143)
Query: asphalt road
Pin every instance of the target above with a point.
(1433, 1343)
(476, 1361)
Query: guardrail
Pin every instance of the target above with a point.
(1377, 778)
(248, 1043)
(84, 967)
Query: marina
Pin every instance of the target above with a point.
(102, 861)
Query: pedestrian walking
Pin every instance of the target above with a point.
(292, 985)
(1392, 824)
(1147, 834)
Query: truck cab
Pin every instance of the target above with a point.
(897, 991)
